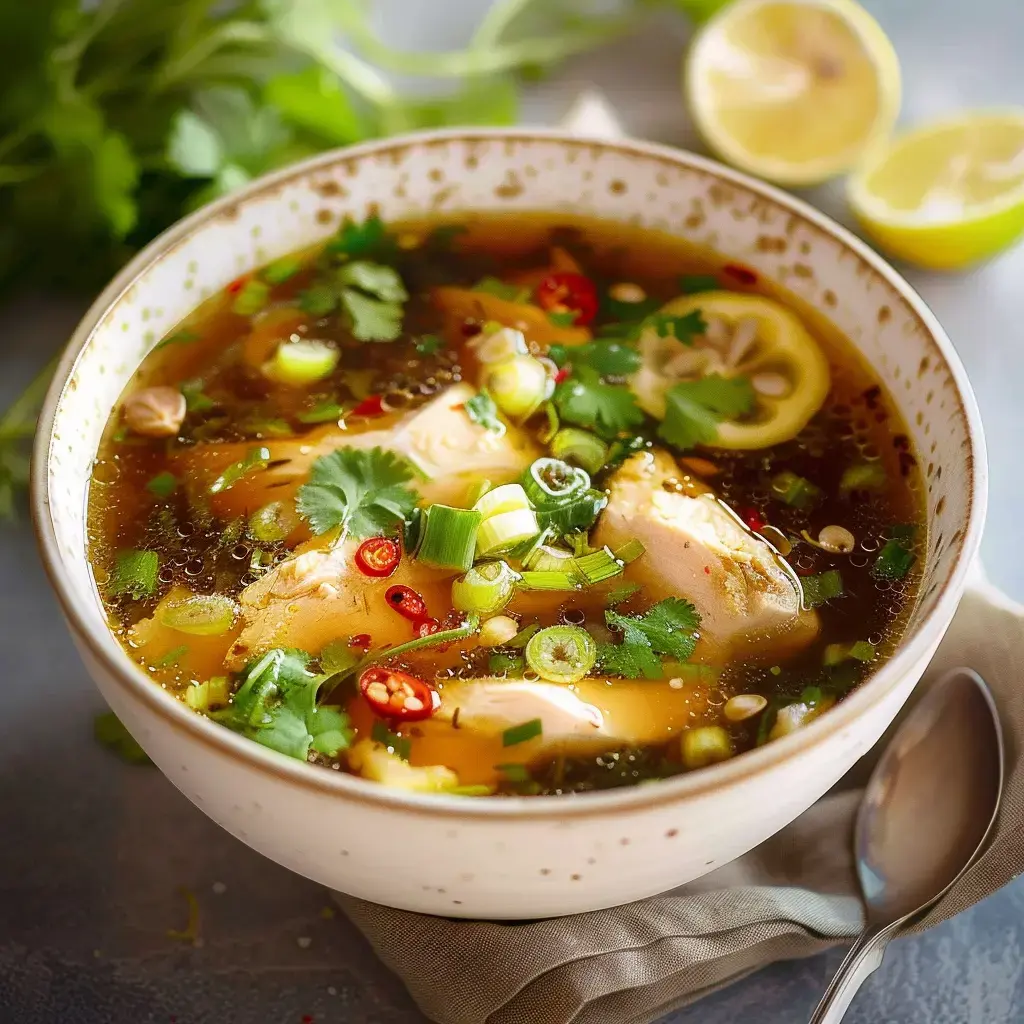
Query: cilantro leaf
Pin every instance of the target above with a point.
(368, 238)
(253, 461)
(666, 325)
(276, 706)
(502, 290)
(585, 400)
(482, 411)
(608, 357)
(667, 628)
(428, 344)
(359, 491)
(694, 408)
(371, 295)
(135, 574)
(691, 284)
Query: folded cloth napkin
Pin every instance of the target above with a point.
(793, 896)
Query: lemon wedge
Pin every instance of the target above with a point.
(746, 336)
(792, 90)
(946, 194)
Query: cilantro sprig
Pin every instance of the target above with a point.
(668, 628)
(666, 325)
(694, 408)
(361, 492)
(588, 401)
(370, 295)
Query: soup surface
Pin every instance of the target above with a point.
(506, 507)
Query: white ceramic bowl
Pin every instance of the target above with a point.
(509, 858)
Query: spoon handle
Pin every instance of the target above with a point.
(864, 958)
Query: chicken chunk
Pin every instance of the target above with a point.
(438, 438)
(317, 595)
(748, 598)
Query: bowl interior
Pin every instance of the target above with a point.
(635, 183)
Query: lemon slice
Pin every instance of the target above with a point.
(748, 336)
(792, 90)
(946, 194)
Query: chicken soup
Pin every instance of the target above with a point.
(506, 506)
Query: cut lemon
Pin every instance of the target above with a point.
(747, 336)
(792, 90)
(947, 194)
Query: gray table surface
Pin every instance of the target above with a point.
(87, 889)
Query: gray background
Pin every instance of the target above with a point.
(92, 853)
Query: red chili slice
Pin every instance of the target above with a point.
(395, 694)
(752, 518)
(370, 407)
(361, 641)
(237, 285)
(426, 627)
(407, 603)
(562, 374)
(566, 292)
(378, 557)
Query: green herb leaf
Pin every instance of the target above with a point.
(502, 289)
(109, 732)
(608, 409)
(322, 412)
(163, 485)
(135, 574)
(694, 408)
(822, 587)
(608, 357)
(667, 628)
(254, 460)
(400, 746)
(196, 400)
(172, 657)
(666, 325)
(281, 270)
(337, 657)
(563, 318)
(482, 411)
(428, 344)
(521, 733)
(313, 100)
(368, 238)
(896, 558)
(692, 284)
(358, 491)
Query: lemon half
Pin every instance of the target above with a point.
(792, 90)
(947, 194)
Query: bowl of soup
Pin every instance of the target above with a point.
(503, 524)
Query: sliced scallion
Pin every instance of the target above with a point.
(795, 490)
(514, 772)
(707, 744)
(861, 650)
(485, 589)
(821, 588)
(252, 297)
(273, 522)
(895, 559)
(212, 693)
(630, 551)
(580, 448)
(598, 566)
(516, 734)
(163, 485)
(502, 344)
(449, 537)
(519, 385)
(552, 580)
(198, 614)
(507, 498)
(546, 557)
(522, 638)
(551, 482)
(254, 460)
(561, 654)
(505, 663)
(281, 270)
(864, 476)
(502, 532)
(298, 363)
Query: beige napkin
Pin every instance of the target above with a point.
(794, 896)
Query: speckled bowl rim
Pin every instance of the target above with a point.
(78, 605)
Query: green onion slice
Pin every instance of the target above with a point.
(597, 567)
(580, 448)
(552, 580)
(821, 588)
(298, 363)
(515, 734)
(552, 482)
(198, 614)
(519, 385)
(502, 532)
(561, 654)
(895, 559)
(449, 537)
(507, 498)
(795, 491)
(864, 476)
(485, 589)
(273, 522)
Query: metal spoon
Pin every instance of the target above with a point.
(927, 812)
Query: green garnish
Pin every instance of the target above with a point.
(580, 448)
(608, 357)
(821, 588)
(563, 318)
(501, 663)
(281, 270)
(622, 593)
(502, 290)
(444, 636)
(630, 551)
(795, 491)
(522, 638)
(369, 237)
(863, 476)
(322, 412)
(896, 558)
(196, 400)
(400, 746)
(482, 411)
(836, 654)
(585, 400)
(669, 627)
(276, 706)
(692, 284)
(371, 295)
(210, 693)
(181, 337)
(597, 567)
(254, 460)
(521, 733)
(428, 344)
(110, 732)
(337, 657)
(549, 579)
(694, 408)
(666, 325)
(561, 654)
(197, 614)
(135, 574)
(253, 297)
(360, 491)
(163, 485)
(172, 657)
(514, 772)
(485, 589)
(448, 537)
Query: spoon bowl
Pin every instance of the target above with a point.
(927, 813)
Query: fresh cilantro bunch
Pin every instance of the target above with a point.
(694, 408)
(276, 706)
(361, 492)
(667, 628)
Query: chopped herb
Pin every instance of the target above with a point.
(254, 460)
(608, 357)
(578, 512)
(135, 574)
(319, 299)
(182, 337)
(163, 485)
(516, 734)
(895, 559)
(370, 294)
(514, 772)
(795, 490)
(563, 318)
(608, 409)
(366, 238)
(622, 593)
(475, 790)
(482, 411)
(253, 297)
(667, 628)
(666, 325)
(621, 448)
(522, 638)
(501, 663)
(428, 344)
(619, 311)
(276, 706)
(400, 746)
(195, 399)
(692, 284)
(172, 657)
(266, 428)
(322, 412)
(109, 731)
(864, 476)
(694, 408)
(337, 657)
(360, 491)
(503, 290)
(836, 654)
(821, 588)
(281, 270)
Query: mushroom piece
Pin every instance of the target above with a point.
(155, 412)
